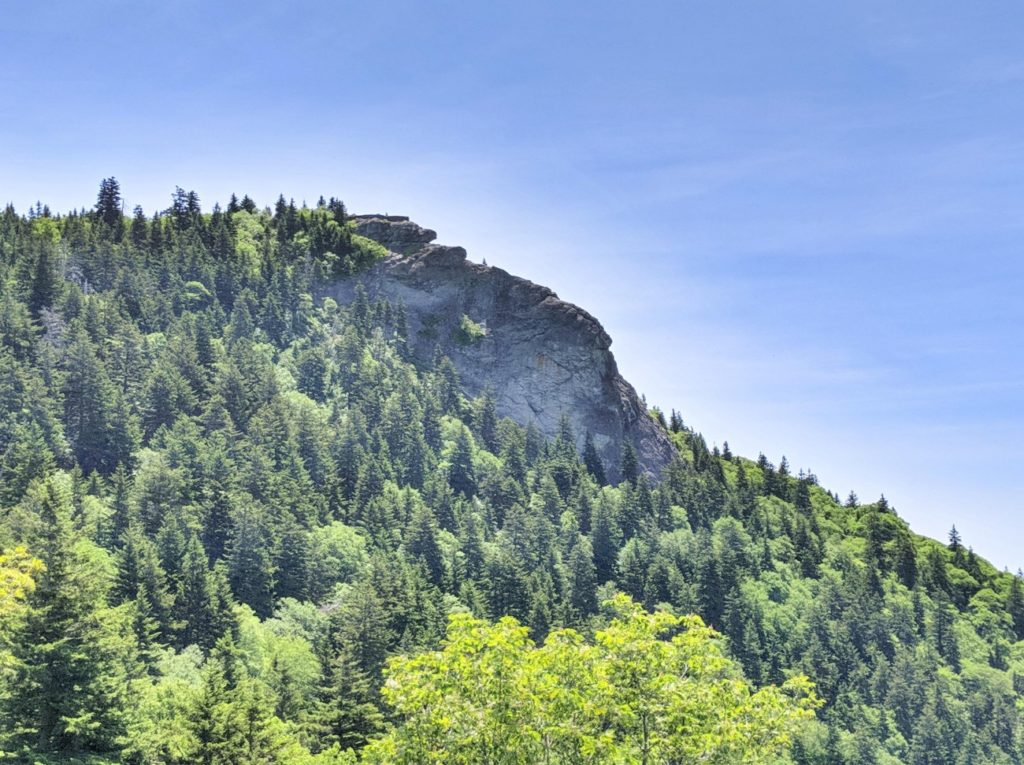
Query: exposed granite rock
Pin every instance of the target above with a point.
(541, 355)
(396, 232)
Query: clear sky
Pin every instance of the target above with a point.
(801, 222)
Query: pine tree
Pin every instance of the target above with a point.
(592, 460)
(98, 425)
(582, 576)
(347, 712)
(421, 544)
(604, 541)
(141, 577)
(955, 541)
(250, 565)
(45, 286)
(203, 602)
(487, 420)
(140, 229)
(109, 207)
(363, 629)
(74, 657)
(1015, 606)
(630, 468)
(461, 473)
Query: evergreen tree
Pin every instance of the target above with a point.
(45, 286)
(630, 468)
(592, 460)
(604, 540)
(347, 713)
(421, 544)
(249, 562)
(109, 207)
(487, 421)
(582, 578)
(461, 472)
(74, 656)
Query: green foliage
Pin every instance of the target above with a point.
(469, 332)
(650, 688)
(244, 498)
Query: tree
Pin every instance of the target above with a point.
(582, 579)
(1015, 606)
(96, 421)
(165, 395)
(203, 601)
(18, 574)
(630, 469)
(421, 544)
(74, 656)
(955, 540)
(250, 565)
(142, 578)
(651, 688)
(109, 207)
(592, 460)
(347, 714)
(45, 284)
(461, 472)
(604, 540)
(487, 420)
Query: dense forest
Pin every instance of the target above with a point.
(240, 523)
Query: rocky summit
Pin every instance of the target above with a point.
(542, 356)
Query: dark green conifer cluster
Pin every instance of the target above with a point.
(247, 498)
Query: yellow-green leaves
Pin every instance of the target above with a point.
(17, 578)
(18, 572)
(650, 688)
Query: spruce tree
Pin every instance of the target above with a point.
(604, 541)
(74, 656)
(109, 210)
(582, 579)
(250, 565)
(592, 460)
(461, 473)
(630, 468)
(347, 712)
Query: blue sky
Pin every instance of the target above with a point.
(801, 222)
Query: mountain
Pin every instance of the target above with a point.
(542, 357)
(251, 457)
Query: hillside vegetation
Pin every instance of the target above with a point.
(240, 525)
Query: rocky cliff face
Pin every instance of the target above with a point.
(541, 355)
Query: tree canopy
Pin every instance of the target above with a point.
(240, 522)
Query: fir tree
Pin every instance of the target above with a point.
(592, 460)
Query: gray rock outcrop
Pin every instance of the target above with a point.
(540, 355)
(396, 232)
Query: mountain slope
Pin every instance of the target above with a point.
(247, 497)
(541, 357)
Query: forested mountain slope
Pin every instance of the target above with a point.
(541, 357)
(226, 500)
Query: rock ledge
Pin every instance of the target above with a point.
(541, 355)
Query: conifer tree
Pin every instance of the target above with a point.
(250, 565)
(604, 540)
(44, 288)
(109, 207)
(421, 544)
(347, 713)
(629, 470)
(582, 579)
(592, 460)
(461, 473)
(74, 656)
